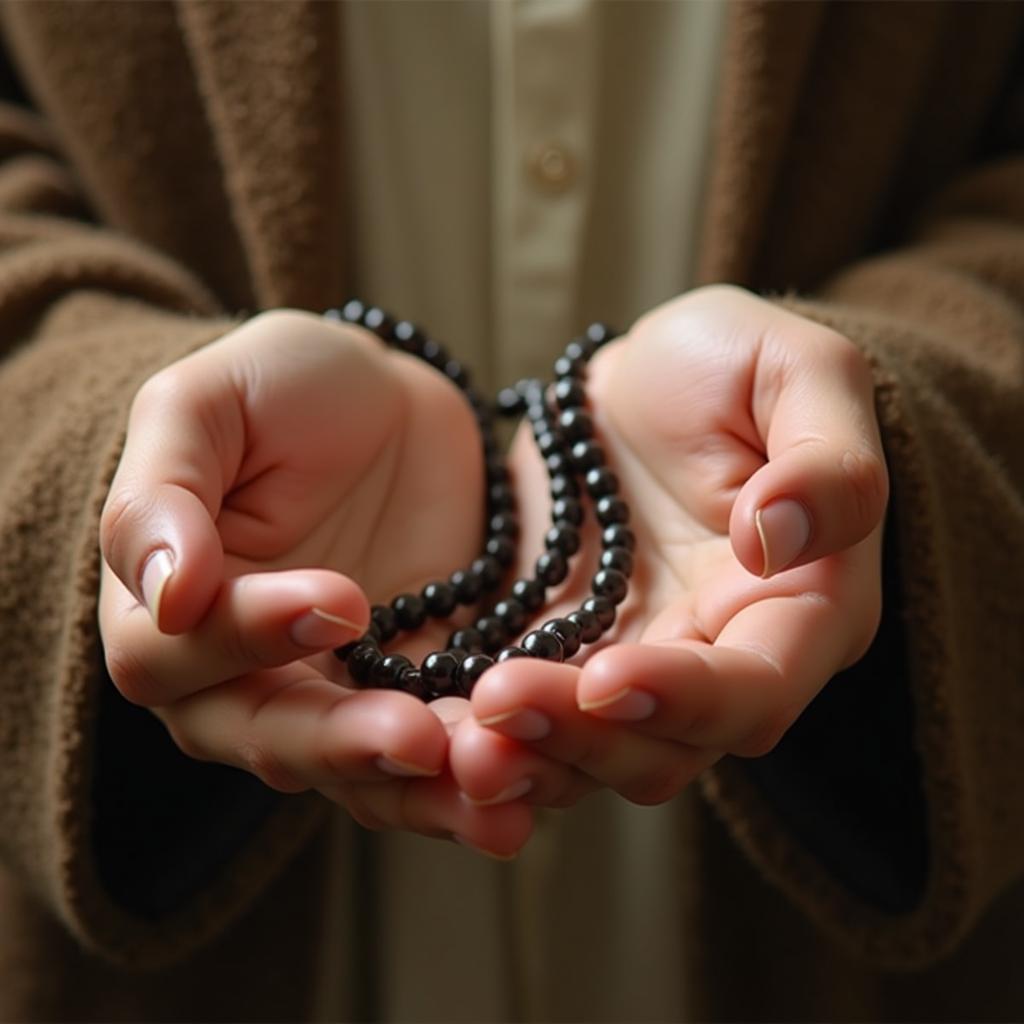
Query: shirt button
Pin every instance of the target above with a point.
(552, 167)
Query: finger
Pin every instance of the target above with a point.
(436, 807)
(257, 621)
(493, 769)
(825, 485)
(157, 530)
(739, 694)
(536, 702)
(294, 730)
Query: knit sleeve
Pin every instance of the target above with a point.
(140, 855)
(892, 812)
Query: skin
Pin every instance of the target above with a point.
(280, 464)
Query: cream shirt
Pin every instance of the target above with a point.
(519, 168)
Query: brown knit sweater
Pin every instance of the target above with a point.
(184, 168)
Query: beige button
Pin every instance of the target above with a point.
(553, 167)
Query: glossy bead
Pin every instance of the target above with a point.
(569, 393)
(353, 311)
(388, 671)
(502, 549)
(568, 634)
(564, 487)
(507, 653)
(410, 611)
(610, 509)
(576, 424)
(470, 671)
(411, 681)
(563, 537)
(549, 443)
(601, 481)
(407, 336)
(384, 619)
(559, 464)
(439, 598)
(467, 586)
(504, 523)
(587, 455)
(568, 510)
(372, 633)
(376, 320)
(362, 662)
(599, 334)
(537, 414)
(529, 593)
(551, 567)
(438, 672)
(500, 498)
(610, 583)
(580, 348)
(512, 613)
(510, 402)
(492, 629)
(602, 608)
(456, 373)
(619, 559)
(566, 366)
(433, 353)
(488, 568)
(539, 644)
(618, 535)
(590, 628)
(466, 639)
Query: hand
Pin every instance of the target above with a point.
(260, 474)
(748, 449)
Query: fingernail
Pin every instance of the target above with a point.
(405, 769)
(627, 705)
(784, 528)
(319, 629)
(155, 574)
(513, 792)
(522, 724)
(480, 849)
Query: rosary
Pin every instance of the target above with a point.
(564, 434)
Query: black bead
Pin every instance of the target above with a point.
(470, 671)
(619, 559)
(551, 567)
(564, 487)
(599, 334)
(500, 498)
(497, 472)
(411, 681)
(537, 414)
(481, 408)
(539, 644)
(610, 583)
(373, 633)
(510, 402)
(353, 311)
(576, 424)
(590, 628)
(456, 373)
(467, 586)
(529, 593)
(410, 611)
(439, 598)
(492, 629)
(362, 662)
(610, 509)
(508, 653)
(438, 672)
(568, 510)
(407, 336)
(433, 353)
(566, 366)
(618, 535)
(512, 613)
(549, 443)
(569, 393)
(588, 455)
(567, 632)
(389, 670)
(502, 549)
(376, 320)
(466, 639)
(384, 619)
(559, 464)
(602, 608)
(504, 523)
(580, 348)
(488, 568)
(563, 537)
(601, 481)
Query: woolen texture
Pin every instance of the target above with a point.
(867, 165)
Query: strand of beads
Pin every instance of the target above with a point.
(564, 432)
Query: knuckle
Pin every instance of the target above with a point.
(868, 480)
(135, 681)
(183, 738)
(121, 511)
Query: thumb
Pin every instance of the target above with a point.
(825, 485)
(158, 528)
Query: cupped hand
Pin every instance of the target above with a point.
(747, 447)
(260, 477)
